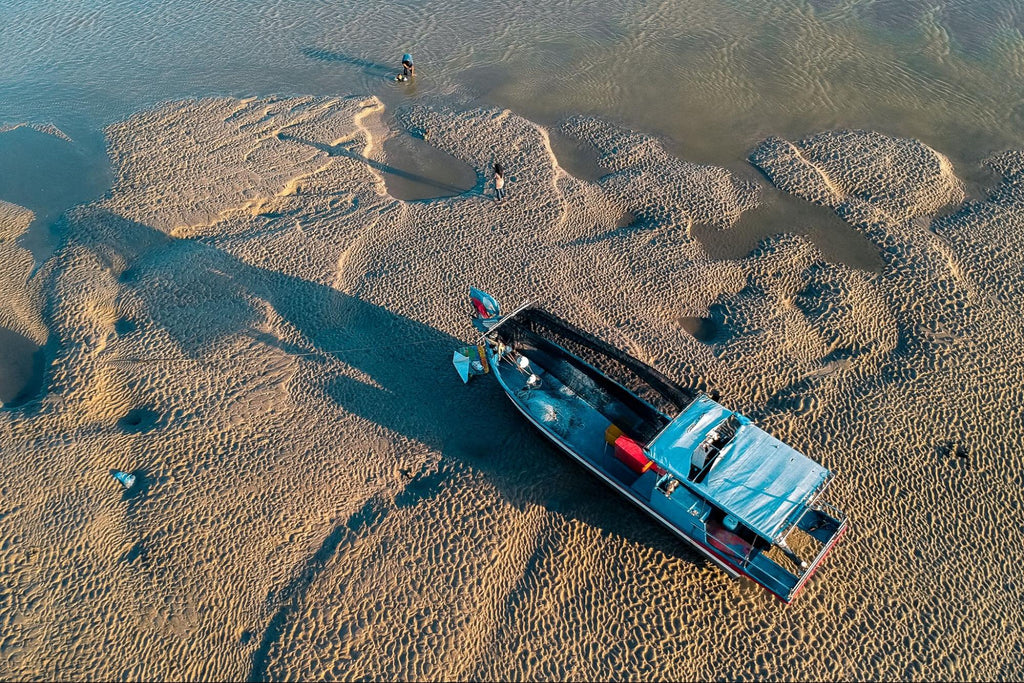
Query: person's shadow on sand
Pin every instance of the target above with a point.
(344, 149)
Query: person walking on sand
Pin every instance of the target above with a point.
(408, 70)
(499, 183)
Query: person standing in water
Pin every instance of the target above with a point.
(499, 183)
(408, 70)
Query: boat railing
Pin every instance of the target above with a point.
(813, 566)
(830, 509)
(504, 319)
(751, 551)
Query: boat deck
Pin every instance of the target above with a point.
(576, 419)
(573, 402)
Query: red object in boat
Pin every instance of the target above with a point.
(632, 454)
(484, 303)
(726, 541)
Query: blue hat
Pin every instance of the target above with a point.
(407, 58)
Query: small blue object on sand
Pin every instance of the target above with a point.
(127, 480)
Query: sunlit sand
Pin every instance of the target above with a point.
(257, 329)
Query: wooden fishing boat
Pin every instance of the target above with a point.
(748, 502)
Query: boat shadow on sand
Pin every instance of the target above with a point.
(408, 384)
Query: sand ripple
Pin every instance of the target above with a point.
(262, 333)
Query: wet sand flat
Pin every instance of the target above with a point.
(262, 333)
(17, 362)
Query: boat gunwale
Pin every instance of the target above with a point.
(732, 568)
(669, 390)
(721, 562)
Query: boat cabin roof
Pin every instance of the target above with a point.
(742, 469)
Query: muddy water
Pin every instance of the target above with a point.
(21, 368)
(416, 170)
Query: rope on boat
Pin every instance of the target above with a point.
(179, 359)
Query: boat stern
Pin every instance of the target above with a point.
(826, 525)
(782, 568)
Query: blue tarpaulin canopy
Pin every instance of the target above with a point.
(755, 477)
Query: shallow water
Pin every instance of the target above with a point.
(703, 329)
(713, 77)
(21, 366)
(576, 157)
(779, 213)
(415, 170)
(48, 174)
